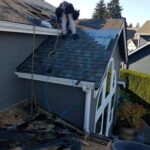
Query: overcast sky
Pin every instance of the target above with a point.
(134, 10)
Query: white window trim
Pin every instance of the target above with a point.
(106, 100)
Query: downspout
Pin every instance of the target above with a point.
(87, 108)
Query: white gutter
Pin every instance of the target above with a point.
(148, 43)
(145, 34)
(25, 28)
(87, 108)
(63, 81)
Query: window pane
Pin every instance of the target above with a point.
(98, 125)
(109, 74)
(99, 101)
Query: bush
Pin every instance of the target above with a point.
(138, 83)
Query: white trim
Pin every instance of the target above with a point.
(63, 81)
(25, 28)
(87, 110)
(123, 83)
(145, 34)
(125, 43)
(106, 100)
(148, 43)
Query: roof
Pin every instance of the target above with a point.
(140, 48)
(23, 11)
(145, 29)
(84, 59)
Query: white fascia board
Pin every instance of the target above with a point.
(25, 28)
(125, 42)
(145, 34)
(148, 43)
(63, 81)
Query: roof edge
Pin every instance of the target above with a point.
(144, 34)
(6, 26)
(148, 43)
(62, 81)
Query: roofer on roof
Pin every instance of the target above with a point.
(67, 14)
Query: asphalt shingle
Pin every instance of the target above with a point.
(84, 59)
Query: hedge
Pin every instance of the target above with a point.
(138, 83)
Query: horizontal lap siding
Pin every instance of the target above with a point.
(14, 48)
(65, 101)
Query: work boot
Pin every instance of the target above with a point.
(75, 36)
(64, 36)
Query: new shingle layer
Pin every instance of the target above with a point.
(84, 59)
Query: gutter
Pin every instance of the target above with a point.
(6, 26)
(62, 81)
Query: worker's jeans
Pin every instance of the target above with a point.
(71, 22)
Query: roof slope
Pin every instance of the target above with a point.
(21, 11)
(84, 59)
(145, 29)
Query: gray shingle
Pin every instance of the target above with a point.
(83, 59)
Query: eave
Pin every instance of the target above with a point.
(57, 80)
(148, 43)
(6, 26)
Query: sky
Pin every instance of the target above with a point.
(135, 11)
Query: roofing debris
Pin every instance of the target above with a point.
(22, 11)
(19, 130)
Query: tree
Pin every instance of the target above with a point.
(130, 25)
(114, 9)
(137, 25)
(100, 10)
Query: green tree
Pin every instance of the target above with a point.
(100, 10)
(114, 9)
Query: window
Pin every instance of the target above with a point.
(109, 78)
(100, 100)
(106, 101)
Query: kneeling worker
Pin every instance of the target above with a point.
(65, 12)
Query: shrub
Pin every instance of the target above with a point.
(138, 83)
(130, 113)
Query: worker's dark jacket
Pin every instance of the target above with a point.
(69, 9)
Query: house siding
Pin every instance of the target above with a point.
(65, 101)
(117, 62)
(117, 65)
(14, 47)
(140, 61)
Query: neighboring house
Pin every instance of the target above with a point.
(77, 79)
(132, 41)
(132, 45)
(143, 34)
(139, 60)
(16, 36)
